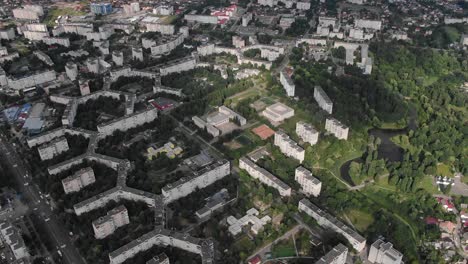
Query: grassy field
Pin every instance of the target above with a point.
(56, 12)
(284, 249)
(361, 220)
(444, 170)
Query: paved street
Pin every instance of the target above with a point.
(31, 193)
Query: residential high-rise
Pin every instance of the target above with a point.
(307, 132)
(383, 253)
(336, 128)
(322, 99)
(337, 255)
(106, 225)
(287, 82)
(288, 146)
(78, 180)
(310, 185)
(101, 8)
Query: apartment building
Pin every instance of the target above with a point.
(307, 132)
(126, 122)
(310, 185)
(106, 225)
(179, 65)
(325, 219)
(322, 99)
(337, 255)
(78, 180)
(264, 176)
(336, 128)
(287, 82)
(383, 253)
(11, 236)
(288, 146)
(53, 148)
(198, 180)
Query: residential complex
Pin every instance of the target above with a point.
(288, 146)
(287, 82)
(336, 128)
(307, 132)
(106, 225)
(53, 148)
(264, 176)
(322, 100)
(78, 180)
(337, 255)
(310, 185)
(326, 220)
(383, 253)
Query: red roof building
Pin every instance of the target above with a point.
(255, 260)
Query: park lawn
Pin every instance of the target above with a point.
(444, 170)
(168, 19)
(427, 184)
(361, 220)
(249, 93)
(56, 12)
(284, 249)
(382, 183)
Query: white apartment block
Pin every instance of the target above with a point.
(55, 40)
(106, 225)
(337, 255)
(323, 100)
(127, 122)
(117, 58)
(53, 148)
(288, 146)
(129, 72)
(164, 10)
(368, 24)
(71, 69)
(137, 54)
(179, 65)
(198, 180)
(251, 217)
(278, 112)
(287, 83)
(165, 29)
(325, 219)
(264, 176)
(246, 18)
(310, 185)
(131, 8)
(78, 180)
(13, 239)
(383, 253)
(238, 42)
(303, 5)
(162, 237)
(336, 128)
(35, 35)
(7, 34)
(69, 114)
(269, 3)
(307, 132)
(204, 19)
(163, 45)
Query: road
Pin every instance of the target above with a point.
(32, 194)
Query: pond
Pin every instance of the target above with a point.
(387, 149)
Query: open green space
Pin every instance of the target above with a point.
(361, 220)
(54, 13)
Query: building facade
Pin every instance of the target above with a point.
(322, 99)
(383, 253)
(307, 132)
(288, 146)
(336, 128)
(310, 185)
(106, 225)
(264, 176)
